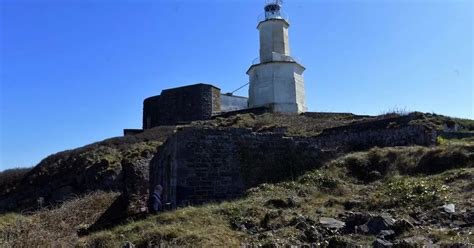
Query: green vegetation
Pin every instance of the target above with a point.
(56, 226)
(407, 182)
(440, 122)
(93, 167)
(269, 214)
(412, 192)
(298, 125)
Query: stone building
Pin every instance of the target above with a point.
(276, 79)
(188, 103)
(182, 104)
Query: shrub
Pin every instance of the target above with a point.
(369, 166)
(320, 179)
(441, 141)
(56, 227)
(10, 178)
(439, 160)
(412, 192)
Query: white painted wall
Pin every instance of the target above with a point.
(233, 103)
(278, 85)
(273, 39)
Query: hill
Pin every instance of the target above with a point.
(370, 196)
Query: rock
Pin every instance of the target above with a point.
(301, 218)
(380, 243)
(379, 223)
(128, 244)
(414, 242)
(265, 235)
(403, 225)
(331, 223)
(320, 210)
(279, 203)
(351, 204)
(302, 225)
(374, 176)
(338, 241)
(136, 174)
(293, 202)
(386, 234)
(362, 229)
(270, 245)
(449, 208)
(312, 235)
(354, 219)
(469, 218)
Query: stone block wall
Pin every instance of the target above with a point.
(181, 105)
(199, 165)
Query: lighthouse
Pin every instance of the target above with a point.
(275, 78)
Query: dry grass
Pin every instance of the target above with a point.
(378, 163)
(305, 124)
(55, 227)
(266, 215)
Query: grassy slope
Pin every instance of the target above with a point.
(367, 177)
(93, 167)
(269, 217)
(266, 216)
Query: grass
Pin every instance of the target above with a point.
(56, 226)
(440, 122)
(81, 171)
(378, 163)
(298, 125)
(401, 180)
(411, 192)
(268, 213)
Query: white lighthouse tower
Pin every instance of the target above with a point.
(276, 79)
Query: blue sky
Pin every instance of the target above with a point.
(74, 72)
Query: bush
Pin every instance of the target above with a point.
(319, 179)
(10, 178)
(54, 227)
(370, 166)
(377, 163)
(412, 192)
(439, 160)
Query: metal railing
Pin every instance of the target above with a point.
(262, 17)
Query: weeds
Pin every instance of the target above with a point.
(56, 226)
(412, 192)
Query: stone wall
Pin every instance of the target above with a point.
(198, 165)
(181, 105)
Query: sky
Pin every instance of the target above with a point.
(76, 71)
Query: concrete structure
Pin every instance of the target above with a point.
(198, 164)
(186, 104)
(230, 102)
(181, 105)
(276, 81)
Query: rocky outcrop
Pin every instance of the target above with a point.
(117, 164)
